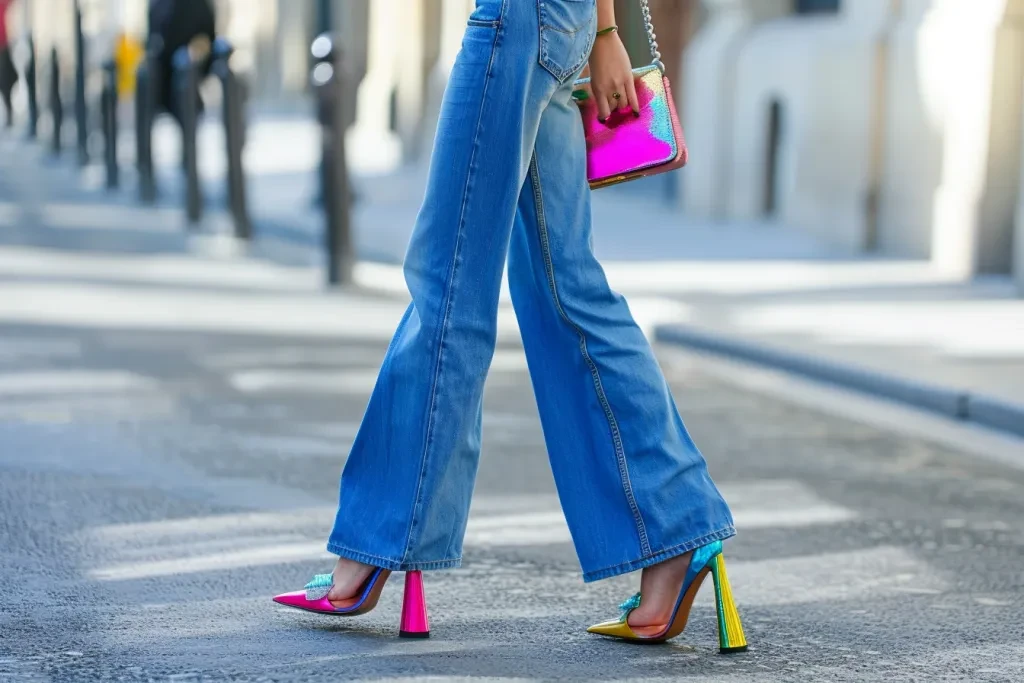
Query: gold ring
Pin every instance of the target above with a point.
(616, 96)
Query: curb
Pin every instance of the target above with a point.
(957, 404)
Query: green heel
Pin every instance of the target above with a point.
(730, 628)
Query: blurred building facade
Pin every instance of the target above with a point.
(888, 126)
(883, 126)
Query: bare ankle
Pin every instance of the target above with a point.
(660, 585)
(348, 577)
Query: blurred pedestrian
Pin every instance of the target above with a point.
(8, 74)
(176, 24)
(508, 177)
(128, 54)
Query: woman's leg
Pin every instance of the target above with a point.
(406, 487)
(633, 485)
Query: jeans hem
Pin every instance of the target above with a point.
(660, 556)
(391, 564)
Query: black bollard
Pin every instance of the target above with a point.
(234, 135)
(56, 106)
(186, 91)
(31, 88)
(108, 107)
(81, 111)
(336, 114)
(145, 112)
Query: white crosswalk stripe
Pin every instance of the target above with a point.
(36, 349)
(66, 381)
(225, 542)
(31, 392)
(292, 356)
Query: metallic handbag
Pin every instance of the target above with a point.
(625, 146)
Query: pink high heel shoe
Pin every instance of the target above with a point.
(313, 598)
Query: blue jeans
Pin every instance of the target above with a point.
(508, 178)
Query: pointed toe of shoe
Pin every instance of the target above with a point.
(615, 629)
(293, 599)
(297, 599)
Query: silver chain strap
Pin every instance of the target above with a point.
(651, 38)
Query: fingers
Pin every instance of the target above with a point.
(604, 109)
(619, 95)
(615, 99)
(631, 96)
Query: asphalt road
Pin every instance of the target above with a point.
(156, 488)
(171, 434)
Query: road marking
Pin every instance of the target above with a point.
(99, 307)
(22, 348)
(829, 577)
(340, 431)
(71, 381)
(335, 439)
(819, 578)
(780, 504)
(294, 356)
(63, 410)
(160, 532)
(252, 557)
(767, 518)
(484, 504)
(495, 521)
(291, 446)
(10, 214)
(304, 381)
(346, 382)
(508, 360)
(523, 529)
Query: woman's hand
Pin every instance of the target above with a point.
(611, 76)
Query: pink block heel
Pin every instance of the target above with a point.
(414, 608)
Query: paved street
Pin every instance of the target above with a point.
(170, 440)
(176, 405)
(172, 427)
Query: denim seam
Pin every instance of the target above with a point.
(389, 563)
(613, 425)
(443, 323)
(649, 559)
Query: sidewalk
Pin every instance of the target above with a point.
(888, 328)
(895, 328)
(756, 292)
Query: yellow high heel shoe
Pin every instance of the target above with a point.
(704, 560)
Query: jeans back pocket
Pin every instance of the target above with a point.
(566, 35)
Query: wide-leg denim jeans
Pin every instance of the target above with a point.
(508, 180)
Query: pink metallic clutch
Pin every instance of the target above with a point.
(625, 146)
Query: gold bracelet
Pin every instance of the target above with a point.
(610, 29)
